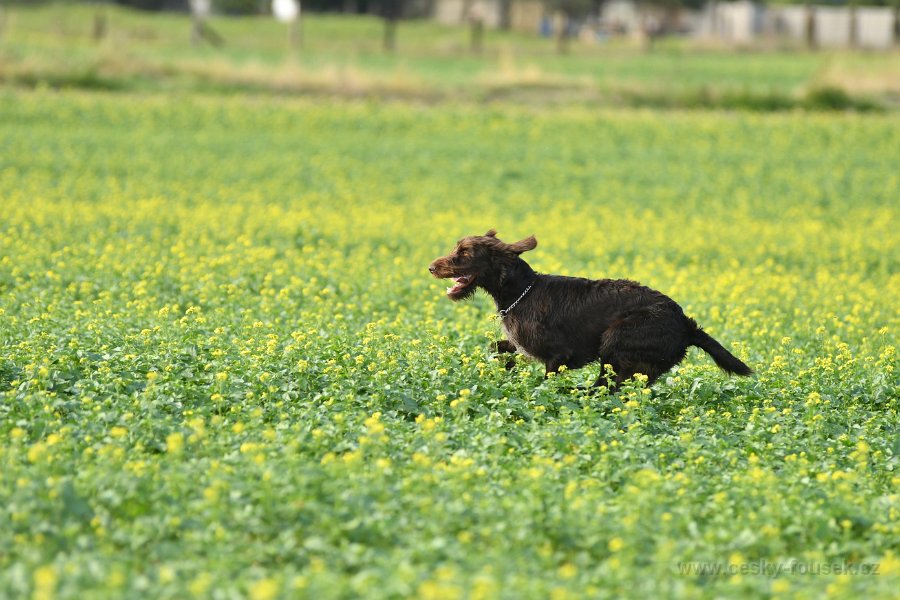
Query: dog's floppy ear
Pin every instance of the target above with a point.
(529, 243)
(491, 233)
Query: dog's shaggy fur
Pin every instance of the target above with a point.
(571, 321)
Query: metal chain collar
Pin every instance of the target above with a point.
(505, 312)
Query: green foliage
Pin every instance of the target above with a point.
(148, 4)
(834, 98)
(571, 8)
(226, 372)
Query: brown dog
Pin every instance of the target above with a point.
(571, 321)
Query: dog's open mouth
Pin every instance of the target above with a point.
(462, 283)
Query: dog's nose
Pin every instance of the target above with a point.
(431, 269)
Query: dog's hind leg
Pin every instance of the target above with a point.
(626, 372)
(611, 364)
(608, 376)
(622, 374)
(627, 353)
(622, 370)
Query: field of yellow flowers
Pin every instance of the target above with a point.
(226, 372)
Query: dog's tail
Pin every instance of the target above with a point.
(727, 361)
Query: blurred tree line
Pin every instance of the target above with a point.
(406, 7)
(572, 12)
(414, 8)
(410, 8)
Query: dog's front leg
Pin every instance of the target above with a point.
(506, 347)
(553, 365)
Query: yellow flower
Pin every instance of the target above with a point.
(45, 579)
(781, 586)
(166, 574)
(568, 571)
(421, 459)
(352, 457)
(373, 424)
(559, 593)
(199, 586)
(889, 564)
(616, 544)
(264, 589)
(36, 452)
(174, 443)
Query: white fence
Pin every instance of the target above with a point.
(829, 26)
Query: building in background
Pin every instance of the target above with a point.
(740, 23)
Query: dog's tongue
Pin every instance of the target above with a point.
(461, 282)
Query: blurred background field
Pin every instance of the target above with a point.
(226, 372)
(53, 45)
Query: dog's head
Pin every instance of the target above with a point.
(478, 260)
